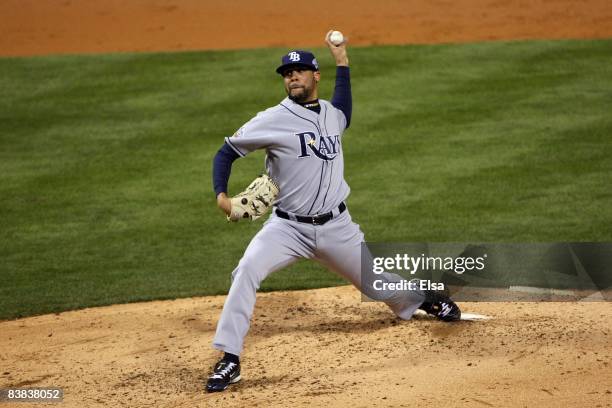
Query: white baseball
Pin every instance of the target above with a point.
(336, 38)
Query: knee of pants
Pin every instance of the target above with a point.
(249, 274)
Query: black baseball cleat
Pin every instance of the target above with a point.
(225, 373)
(441, 306)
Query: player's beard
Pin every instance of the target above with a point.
(302, 94)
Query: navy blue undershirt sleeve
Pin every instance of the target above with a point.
(222, 167)
(342, 98)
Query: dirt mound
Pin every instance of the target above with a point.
(34, 27)
(316, 348)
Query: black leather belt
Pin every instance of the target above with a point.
(317, 220)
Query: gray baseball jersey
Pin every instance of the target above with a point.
(304, 154)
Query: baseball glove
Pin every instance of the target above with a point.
(253, 202)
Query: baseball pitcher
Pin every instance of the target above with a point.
(303, 137)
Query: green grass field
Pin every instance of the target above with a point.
(105, 161)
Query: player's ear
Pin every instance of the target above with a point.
(317, 76)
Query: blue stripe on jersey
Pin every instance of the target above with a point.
(229, 142)
(318, 188)
(331, 171)
(327, 166)
(325, 120)
(301, 117)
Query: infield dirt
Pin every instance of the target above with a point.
(309, 348)
(318, 348)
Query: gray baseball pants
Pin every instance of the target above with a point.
(336, 244)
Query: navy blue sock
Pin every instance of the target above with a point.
(231, 358)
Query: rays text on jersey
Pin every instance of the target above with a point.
(324, 147)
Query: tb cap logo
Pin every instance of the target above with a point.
(294, 56)
(298, 57)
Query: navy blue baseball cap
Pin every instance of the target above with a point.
(305, 59)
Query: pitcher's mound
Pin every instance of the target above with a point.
(317, 348)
